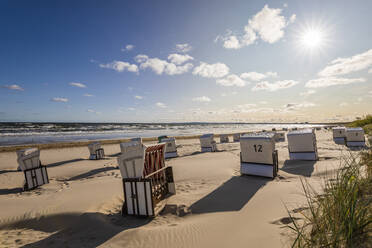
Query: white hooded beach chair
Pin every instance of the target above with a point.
(339, 135)
(138, 139)
(29, 162)
(170, 147)
(207, 143)
(355, 137)
(146, 179)
(258, 155)
(224, 138)
(95, 150)
(279, 137)
(236, 137)
(302, 145)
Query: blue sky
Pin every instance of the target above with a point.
(145, 61)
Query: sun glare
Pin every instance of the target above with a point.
(312, 38)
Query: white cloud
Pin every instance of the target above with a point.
(131, 109)
(278, 85)
(292, 19)
(179, 59)
(161, 105)
(370, 70)
(138, 97)
(183, 47)
(79, 85)
(201, 99)
(297, 106)
(256, 76)
(331, 81)
(342, 66)
(216, 70)
(93, 111)
(128, 47)
(263, 102)
(343, 104)
(307, 93)
(231, 80)
(120, 66)
(268, 24)
(88, 95)
(13, 87)
(59, 99)
(160, 66)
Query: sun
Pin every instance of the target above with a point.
(312, 38)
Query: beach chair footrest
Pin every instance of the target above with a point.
(356, 143)
(339, 140)
(303, 156)
(35, 177)
(170, 155)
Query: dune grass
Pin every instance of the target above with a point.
(340, 216)
(365, 123)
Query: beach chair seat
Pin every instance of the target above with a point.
(339, 135)
(302, 145)
(207, 143)
(355, 137)
(258, 156)
(146, 179)
(224, 138)
(236, 137)
(35, 173)
(170, 147)
(95, 150)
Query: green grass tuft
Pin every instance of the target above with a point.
(341, 216)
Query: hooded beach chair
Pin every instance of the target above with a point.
(302, 145)
(35, 173)
(207, 143)
(355, 137)
(258, 155)
(138, 139)
(236, 137)
(339, 135)
(146, 179)
(170, 147)
(224, 138)
(95, 150)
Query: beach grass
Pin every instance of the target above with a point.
(365, 123)
(341, 215)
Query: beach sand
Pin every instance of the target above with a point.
(214, 206)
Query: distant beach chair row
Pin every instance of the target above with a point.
(351, 137)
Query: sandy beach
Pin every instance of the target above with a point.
(214, 206)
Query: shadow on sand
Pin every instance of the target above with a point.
(75, 230)
(92, 173)
(7, 171)
(299, 167)
(230, 196)
(11, 191)
(65, 162)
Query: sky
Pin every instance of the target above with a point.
(184, 61)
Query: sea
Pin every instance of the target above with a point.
(20, 133)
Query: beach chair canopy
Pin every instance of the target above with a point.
(28, 158)
(131, 160)
(355, 134)
(339, 132)
(303, 140)
(257, 148)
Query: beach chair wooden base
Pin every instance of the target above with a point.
(280, 140)
(143, 196)
(356, 144)
(100, 154)
(339, 141)
(258, 169)
(303, 156)
(170, 155)
(35, 177)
